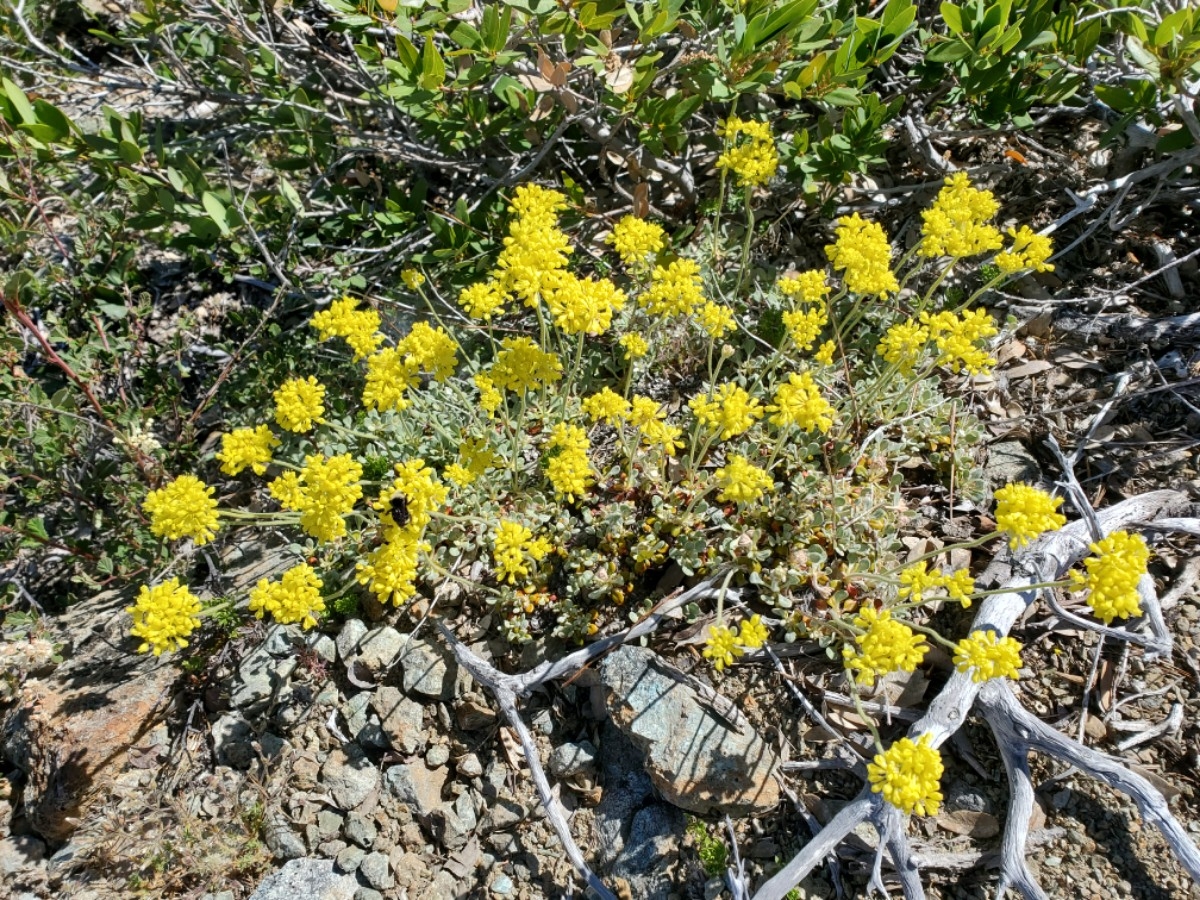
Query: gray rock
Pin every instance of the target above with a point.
(366, 893)
(650, 851)
(21, 853)
(1009, 461)
(294, 702)
(377, 650)
(695, 759)
(350, 858)
(627, 788)
(364, 726)
(281, 639)
(438, 756)
(329, 824)
(260, 676)
(569, 760)
(469, 766)
(502, 885)
(417, 787)
(311, 879)
(347, 640)
(429, 670)
(454, 823)
(402, 719)
(503, 814)
(350, 777)
(376, 870)
(322, 645)
(232, 737)
(281, 839)
(360, 830)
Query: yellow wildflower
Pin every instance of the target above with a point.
(299, 404)
(164, 616)
(607, 406)
(674, 290)
(741, 481)
(482, 300)
(716, 320)
(751, 153)
(824, 354)
(1024, 512)
(423, 493)
(1114, 569)
(584, 305)
(721, 646)
(636, 240)
(514, 548)
(1029, 251)
(753, 633)
(730, 410)
(807, 287)
(296, 597)
(884, 645)
(489, 398)
(412, 278)
(360, 328)
(804, 325)
(798, 401)
(390, 571)
(908, 776)
(986, 656)
(522, 365)
(862, 253)
(903, 343)
(183, 508)
(432, 349)
(635, 346)
(390, 374)
(247, 448)
(956, 224)
(569, 470)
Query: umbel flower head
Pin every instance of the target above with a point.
(798, 402)
(296, 597)
(636, 240)
(247, 448)
(956, 224)
(568, 468)
(515, 546)
(1114, 569)
(322, 492)
(722, 646)
(741, 481)
(884, 646)
(903, 343)
(751, 153)
(299, 404)
(1024, 512)
(862, 253)
(1029, 251)
(164, 616)
(184, 508)
(390, 571)
(730, 410)
(985, 656)
(675, 289)
(908, 775)
(360, 328)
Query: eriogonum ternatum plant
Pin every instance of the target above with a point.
(560, 434)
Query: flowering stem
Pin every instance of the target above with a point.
(936, 284)
(986, 287)
(746, 242)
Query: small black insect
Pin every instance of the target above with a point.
(399, 507)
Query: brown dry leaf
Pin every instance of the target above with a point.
(620, 79)
(544, 65)
(1072, 359)
(1107, 680)
(544, 107)
(1033, 367)
(641, 200)
(535, 82)
(511, 745)
(971, 824)
(1011, 350)
(559, 76)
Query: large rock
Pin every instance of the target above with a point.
(377, 650)
(417, 787)
(350, 777)
(429, 670)
(262, 676)
(70, 732)
(307, 879)
(695, 758)
(402, 719)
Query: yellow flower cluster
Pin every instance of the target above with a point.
(674, 290)
(1029, 250)
(164, 616)
(296, 597)
(299, 404)
(412, 278)
(807, 287)
(607, 406)
(1024, 512)
(434, 351)
(798, 401)
(515, 547)
(489, 397)
(741, 481)
(482, 300)
(986, 656)
(730, 410)
(649, 418)
(956, 223)
(521, 365)
(804, 325)
(903, 343)
(569, 470)
(184, 508)
(534, 258)
(1114, 569)
(323, 492)
(584, 305)
(908, 775)
(475, 457)
(956, 337)
(343, 319)
(390, 374)
(716, 320)
(725, 644)
(751, 153)
(636, 240)
(423, 494)
(390, 571)
(247, 448)
(634, 345)
(862, 253)
(824, 354)
(884, 645)
(916, 581)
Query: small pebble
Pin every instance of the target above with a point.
(438, 756)
(503, 885)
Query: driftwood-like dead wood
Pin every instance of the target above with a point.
(1127, 328)
(1046, 559)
